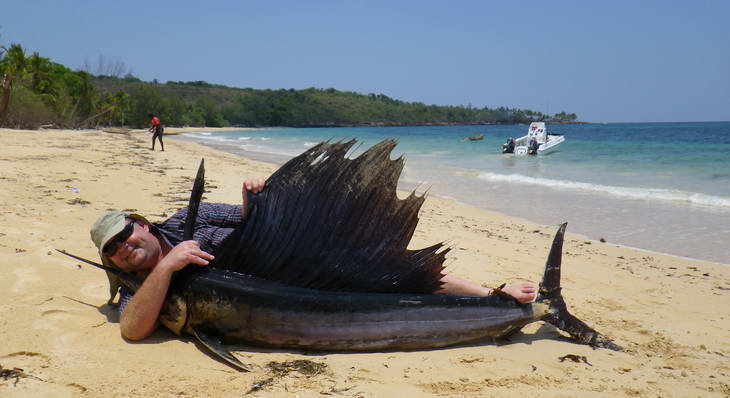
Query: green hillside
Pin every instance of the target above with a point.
(36, 91)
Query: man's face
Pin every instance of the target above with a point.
(140, 252)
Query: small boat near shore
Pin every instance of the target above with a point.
(474, 138)
(537, 141)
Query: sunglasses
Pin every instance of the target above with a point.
(111, 247)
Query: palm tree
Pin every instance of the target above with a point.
(12, 66)
(120, 105)
(83, 91)
(39, 68)
(112, 105)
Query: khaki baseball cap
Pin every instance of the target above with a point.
(108, 225)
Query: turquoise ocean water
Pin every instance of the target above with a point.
(662, 187)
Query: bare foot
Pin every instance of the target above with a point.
(522, 292)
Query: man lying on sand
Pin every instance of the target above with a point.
(130, 243)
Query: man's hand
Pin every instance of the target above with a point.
(185, 253)
(253, 185)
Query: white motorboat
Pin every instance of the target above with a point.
(537, 141)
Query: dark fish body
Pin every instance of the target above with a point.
(244, 309)
(220, 306)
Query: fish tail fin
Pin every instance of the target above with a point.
(558, 315)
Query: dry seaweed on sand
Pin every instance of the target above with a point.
(304, 366)
(281, 369)
(78, 201)
(15, 374)
(260, 385)
(575, 358)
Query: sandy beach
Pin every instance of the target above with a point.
(60, 339)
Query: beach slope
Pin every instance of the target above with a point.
(59, 338)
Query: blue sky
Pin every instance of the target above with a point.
(617, 61)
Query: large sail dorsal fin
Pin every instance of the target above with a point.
(196, 195)
(328, 222)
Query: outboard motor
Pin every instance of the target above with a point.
(509, 146)
(532, 149)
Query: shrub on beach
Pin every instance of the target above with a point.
(28, 111)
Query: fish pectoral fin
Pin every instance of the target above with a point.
(215, 345)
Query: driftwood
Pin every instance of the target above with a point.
(90, 118)
(116, 130)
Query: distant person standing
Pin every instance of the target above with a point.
(156, 129)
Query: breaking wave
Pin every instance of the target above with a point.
(666, 195)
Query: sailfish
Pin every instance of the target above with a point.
(321, 263)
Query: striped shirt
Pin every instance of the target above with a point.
(214, 223)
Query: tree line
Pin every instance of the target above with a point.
(36, 91)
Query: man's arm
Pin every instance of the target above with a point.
(141, 315)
